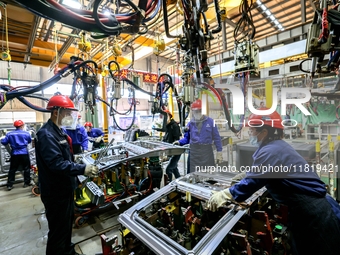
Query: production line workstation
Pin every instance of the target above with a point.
(172, 218)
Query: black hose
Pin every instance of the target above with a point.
(166, 22)
(218, 18)
(111, 30)
(137, 87)
(300, 65)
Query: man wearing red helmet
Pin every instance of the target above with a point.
(172, 134)
(95, 136)
(314, 216)
(57, 174)
(202, 133)
(18, 140)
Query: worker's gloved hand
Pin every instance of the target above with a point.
(98, 139)
(91, 170)
(218, 199)
(175, 143)
(219, 157)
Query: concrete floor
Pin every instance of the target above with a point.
(24, 226)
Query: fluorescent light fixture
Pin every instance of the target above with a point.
(258, 2)
(272, 17)
(264, 8)
(107, 12)
(279, 26)
(204, 103)
(268, 13)
(276, 22)
(72, 3)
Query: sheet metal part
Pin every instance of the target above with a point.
(200, 185)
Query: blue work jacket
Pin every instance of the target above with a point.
(57, 171)
(94, 133)
(18, 139)
(207, 135)
(295, 175)
(79, 136)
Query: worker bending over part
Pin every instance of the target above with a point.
(95, 136)
(314, 216)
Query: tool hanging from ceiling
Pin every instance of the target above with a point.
(5, 55)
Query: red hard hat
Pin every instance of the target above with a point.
(168, 112)
(18, 123)
(196, 105)
(60, 101)
(88, 124)
(273, 120)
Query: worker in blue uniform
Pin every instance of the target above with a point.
(18, 140)
(80, 140)
(172, 134)
(201, 134)
(96, 136)
(314, 216)
(57, 174)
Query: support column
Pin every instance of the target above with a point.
(105, 115)
(269, 93)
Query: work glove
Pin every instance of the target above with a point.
(91, 170)
(98, 139)
(218, 199)
(175, 143)
(219, 157)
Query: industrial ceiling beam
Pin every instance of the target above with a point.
(31, 38)
(69, 41)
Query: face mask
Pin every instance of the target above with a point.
(67, 121)
(253, 140)
(197, 115)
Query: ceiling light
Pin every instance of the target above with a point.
(276, 22)
(258, 2)
(279, 26)
(107, 12)
(72, 3)
(268, 13)
(272, 17)
(264, 8)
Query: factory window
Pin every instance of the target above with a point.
(294, 68)
(274, 72)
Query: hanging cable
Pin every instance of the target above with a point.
(245, 29)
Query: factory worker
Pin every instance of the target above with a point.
(18, 141)
(314, 216)
(57, 174)
(95, 135)
(201, 134)
(172, 134)
(78, 134)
